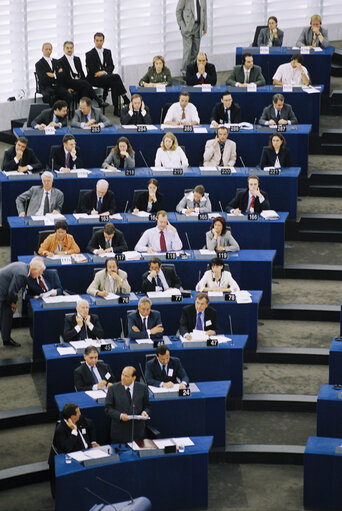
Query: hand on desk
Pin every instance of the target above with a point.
(158, 329)
(237, 211)
(66, 170)
(23, 169)
(103, 294)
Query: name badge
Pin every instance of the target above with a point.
(274, 172)
(123, 299)
(222, 254)
(129, 172)
(83, 431)
(252, 216)
(184, 393)
(212, 342)
(203, 216)
(188, 128)
(120, 257)
(281, 127)
(104, 218)
(208, 322)
(141, 128)
(106, 347)
(107, 375)
(170, 372)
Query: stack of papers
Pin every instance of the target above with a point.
(62, 299)
(96, 394)
(79, 258)
(90, 454)
(66, 351)
(132, 255)
(207, 253)
(142, 214)
(144, 341)
(243, 297)
(269, 214)
(15, 173)
(111, 296)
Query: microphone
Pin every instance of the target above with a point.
(117, 487)
(243, 164)
(231, 328)
(143, 374)
(98, 497)
(220, 204)
(199, 275)
(187, 239)
(133, 406)
(52, 163)
(254, 123)
(126, 207)
(143, 157)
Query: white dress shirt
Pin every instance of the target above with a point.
(174, 113)
(162, 278)
(151, 238)
(226, 280)
(100, 53)
(70, 59)
(289, 75)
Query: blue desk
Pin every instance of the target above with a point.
(221, 363)
(261, 234)
(322, 474)
(170, 481)
(282, 189)
(329, 412)
(249, 144)
(335, 362)
(48, 323)
(251, 269)
(306, 106)
(317, 63)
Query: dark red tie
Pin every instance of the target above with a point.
(67, 161)
(201, 79)
(162, 242)
(251, 204)
(41, 283)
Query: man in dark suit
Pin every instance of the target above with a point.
(47, 72)
(100, 201)
(47, 281)
(82, 325)
(20, 158)
(74, 432)
(87, 116)
(226, 111)
(56, 117)
(109, 239)
(124, 400)
(199, 316)
(247, 73)
(67, 156)
(144, 323)
(159, 278)
(100, 68)
(251, 200)
(136, 112)
(278, 113)
(165, 371)
(201, 71)
(93, 374)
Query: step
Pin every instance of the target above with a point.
(321, 190)
(285, 355)
(321, 221)
(24, 474)
(336, 97)
(259, 453)
(308, 271)
(279, 402)
(315, 235)
(300, 311)
(331, 149)
(27, 416)
(336, 70)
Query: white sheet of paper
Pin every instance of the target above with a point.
(183, 441)
(138, 417)
(66, 351)
(164, 390)
(199, 129)
(78, 456)
(142, 214)
(208, 169)
(96, 453)
(269, 214)
(96, 394)
(132, 255)
(144, 341)
(111, 296)
(62, 298)
(243, 297)
(206, 252)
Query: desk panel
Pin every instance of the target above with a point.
(329, 412)
(335, 362)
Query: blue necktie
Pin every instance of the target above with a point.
(99, 205)
(159, 282)
(93, 373)
(199, 325)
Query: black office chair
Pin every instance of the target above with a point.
(42, 235)
(124, 323)
(80, 198)
(108, 150)
(136, 195)
(256, 35)
(95, 229)
(164, 112)
(45, 96)
(35, 109)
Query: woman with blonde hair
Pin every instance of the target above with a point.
(157, 74)
(169, 154)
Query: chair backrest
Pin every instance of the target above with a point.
(164, 112)
(169, 266)
(42, 235)
(38, 89)
(35, 110)
(108, 150)
(124, 332)
(80, 198)
(256, 35)
(136, 195)
(53, 148)
(95, 229)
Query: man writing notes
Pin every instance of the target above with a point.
(220, 151)
(42, 199)
(93, 374)
(246, 73)
(100, 201)
(251, 200)
(55, 117)
(20, 158)
(165, 371)
(182, 112)
(162, 238)
(198, 316)
(192, 21)
(278, 113)
(144, 323)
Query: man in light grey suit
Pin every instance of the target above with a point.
(315, 35)
(43, 199)
(192, 21)
(13, 277)
(278, 113)
(87, 116)
(220, 151)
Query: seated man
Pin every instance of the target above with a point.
(292, 73)
(93, 374)
(42, 199)
(182, 112)
(20, 158)
(251, 200)
(197, 201)
(278, 113)
(315, 35)
(60, 242)
(47, 281)
(198, 316)
(159, 278)
(100, 201)
(67, 156)
(82, 325)
(165, 371)
(109, 280)
(226, 111)
(136, 112)
(144, 323)
(47, 72)
(220, 151)
(55, 117)
(200, 72)
(109, 239)
(162, 238)
(246, 73)
(87, 116)
(74, 432)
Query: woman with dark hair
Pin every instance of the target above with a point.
(157, 74)
(151, 200)
(271, 36)
(220, 237)
(121, 156)
(276, 154)
(217, 279)
(60, 243)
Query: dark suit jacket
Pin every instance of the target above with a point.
(70, 334)
(191, 74)
(286, 113)
(218, 113)
(238, 75)
(241, 201)
(89, 202)
(142, 201)
(268, 157)
(171, 278)
(67, 73)
(154, 376)
(42, 67)
(134, 319)
(29, 158)
(118, 242)
(83, 378)
(64, 441)
(117, 402)
(188, 319)
(51, 279)
(13, 277)
(93, 63)
(46, 116)
(136, 118)
(58, 157)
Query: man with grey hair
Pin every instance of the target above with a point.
(82, 325)
(100, 201)
(192, 21)
(278, 113)
(46, 281)
(144, 323)
(41, 199)
(13, 278)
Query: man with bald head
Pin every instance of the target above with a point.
(100, 201)
(200, 72)
(125, 399)
(82, 325)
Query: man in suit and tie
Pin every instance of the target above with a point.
(251, 200)
(20, 158)
(47, 72)
(124, 400)
(201, 71)
(87, 116)
(47, 281)
(82, 325)
(192, 21)
(226, 111)
(144, 323)
(278, 113)
(67, 156)
(159, 278)
(165, 371)
(247, 73)
(93, 374)
(74, 432)
(220, 151)
(199, 316)
(41, 199)
(100, 201)
(55, 117)
(108, 239)
(315, 35)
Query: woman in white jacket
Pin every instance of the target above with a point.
(169, 154)
(217, 279)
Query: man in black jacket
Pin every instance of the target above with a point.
(66, 156)
(93, 374)
(74, 432)
(47, 72)
(165, 371)
(250, 200)
(226, 111)
(201, 71)
(57, 116)
(82, 325)
(21, 158)
(100, 201)
(199, 316)
(159, 278)
(109, 239)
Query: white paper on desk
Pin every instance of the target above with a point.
(311, 90)
(139, 417)
(163, 294)
(111, 170)
(206, 252)
(232, 214)
(142, 214)
(215, 214)
(199, 335)
(129, 126)
(208, 169)
(89, 342)
(151, 127)
(14, 172)
(162, 169)
(116, 216)
(76, 171)
(47, 293)
(161, 88)
(215, 294)
(132, 255)
(96, 394)
(66, 351)
(95, 454)
(161, 443)
(85, 215)
(79, 258)
(221, 338)
(164, 390)
(251, 87)
(317, 48)
(65, 260)
(62, 298)
(111, 296)
(269, 214)
(200, 129)
(144, 341)
(78, 456)
(193, 213)
(243, 297)
(184, 441)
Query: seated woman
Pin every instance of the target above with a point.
(169, 154)
(151, 200)
(60, 242)
(157, 74)
(196, 201)
(217, 279)
(271, 36)
(276, 154)
(220, 237)
(109, 280)
(121, 156)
